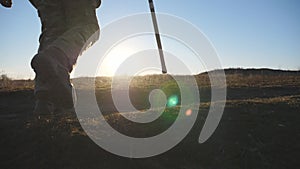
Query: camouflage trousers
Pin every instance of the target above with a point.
(68, 28)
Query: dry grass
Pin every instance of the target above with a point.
(15, 85)
(293, 100)
(263, 80)
(259, 127)
(236, 79)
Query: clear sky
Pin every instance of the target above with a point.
(245, 33)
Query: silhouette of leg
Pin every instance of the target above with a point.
(53, 79)
(66, 30)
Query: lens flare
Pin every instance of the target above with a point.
(189, 112)
(173, 101)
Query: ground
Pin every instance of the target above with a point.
(259, 129)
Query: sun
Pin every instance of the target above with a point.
(114, 59)
(119, 53)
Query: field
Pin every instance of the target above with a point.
(259, 128)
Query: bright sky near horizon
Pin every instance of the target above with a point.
(246, 34)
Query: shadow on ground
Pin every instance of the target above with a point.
(259, 129)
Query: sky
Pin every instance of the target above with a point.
(245, 34)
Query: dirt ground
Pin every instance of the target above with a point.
(259, 130)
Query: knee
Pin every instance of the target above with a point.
(51, 55)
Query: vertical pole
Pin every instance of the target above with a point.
(157, 35)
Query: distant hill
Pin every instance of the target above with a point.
(263, 71)
(234, 78)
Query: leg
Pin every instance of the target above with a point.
(52, 85)
(52, 18)
(60, 48)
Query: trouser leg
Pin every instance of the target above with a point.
(52, 79)
(76, 40)
(62, 43)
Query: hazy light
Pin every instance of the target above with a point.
(122, 51)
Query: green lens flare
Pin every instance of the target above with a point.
(172, 101)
